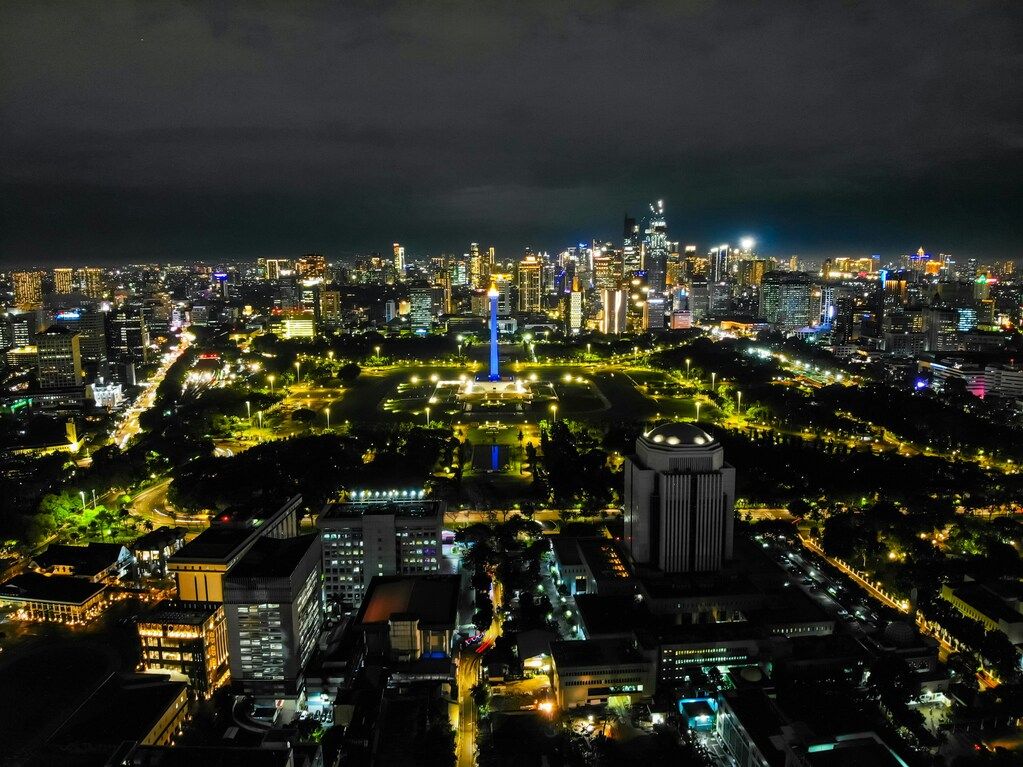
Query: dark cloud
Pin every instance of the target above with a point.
(225, 129)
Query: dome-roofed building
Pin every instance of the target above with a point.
(679, 500)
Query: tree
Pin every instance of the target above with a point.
(1000, 653)
(349, 372)
(303, 415)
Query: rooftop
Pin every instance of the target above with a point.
(433, 599)
(217, 543)
(273, 557)
(988, 602)
(208, 756)
(158, 537)
(180, 613)
(761, 720)
(139, 701)
(88, 560)
(595, 652)
(34, 587)
(411, 509)
(678, 434)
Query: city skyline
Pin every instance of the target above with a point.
(228, 133)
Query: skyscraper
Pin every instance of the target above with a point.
(92, 282)
(530, 282)
(785, 299)
(63, 280)
(575, 307)
(679, 500)
(632, 249)
(655, 259)
(129, 336)
(60, 358)
(399, 258)
(28, 290)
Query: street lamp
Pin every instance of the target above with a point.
(688, 361)
(271, 384)
(298, 371)
(259, 415)
(376, 349)
(248, 411)
(427, 416)
(713, 379)
(327, 411)
(738, 396)
(698, 403)
(587, 349)
(554, 409)
(82, 493)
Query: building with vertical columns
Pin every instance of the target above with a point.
(679, 500)
(63, 280)
(28, 289)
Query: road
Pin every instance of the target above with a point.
(469, 672)
(129, 425)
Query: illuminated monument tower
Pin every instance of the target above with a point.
(488, 390)
(493, 294)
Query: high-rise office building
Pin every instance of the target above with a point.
(92, 282)
(274, 614)
(129, 336)
(632, 248)
(275, 268)
(530, 282)
(60, 358)
(719, 263)
(398, 257)
(655, 256)
(614, 307)
(478, 271)
(91, 325)
(421, 308)
(365, 538)
(311, 266)
(63, 280)
(28, 290)
(679, 500)
(785, 299)
(575, 307)
(330, 307)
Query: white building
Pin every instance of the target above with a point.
(385, 536)
(679, 500)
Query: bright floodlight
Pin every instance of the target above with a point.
(747, 243)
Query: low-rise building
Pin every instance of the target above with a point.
(406, 617)
(187, 638)
(148, 709)
(95, 561)
(153, 549)
(999, 606)
(592, 671)
(58, 598)
(591, 565)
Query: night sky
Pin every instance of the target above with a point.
(213, 130)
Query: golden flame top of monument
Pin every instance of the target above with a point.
(493, 292)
